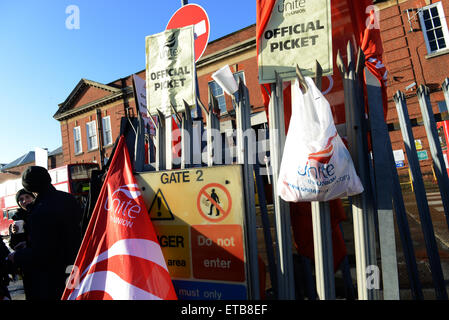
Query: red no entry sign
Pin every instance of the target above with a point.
(193, 14)
(214, 202)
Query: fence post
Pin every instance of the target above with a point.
(266, 228)
(401, 215)
(421, 198)
(244, 152)
(362, 205)
(168, 143)
(160, 142)
(322, 229)
(383, 155)
(186, 138)
(286, 289)
(214, 147)
(322, 240)
(445, 87)
(139, 148)
(435, 147)
(404, 234)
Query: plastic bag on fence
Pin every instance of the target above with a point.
(316, 166)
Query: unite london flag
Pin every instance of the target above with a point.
(120, 257)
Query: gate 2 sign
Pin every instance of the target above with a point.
(198, 215)
(193, 14)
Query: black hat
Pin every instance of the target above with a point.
(36, 179)
(20, 192)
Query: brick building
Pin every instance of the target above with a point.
(90, 116)
(416, 52)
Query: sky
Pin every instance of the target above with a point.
(41, 60)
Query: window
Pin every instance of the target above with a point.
(433, 24)
(107, 133)
(239, 76)
(442, 106)
(91, 130)
(77, 140)
(218, 92)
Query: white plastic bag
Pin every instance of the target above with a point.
(316, 166)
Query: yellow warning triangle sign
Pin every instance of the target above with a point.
(159, 209)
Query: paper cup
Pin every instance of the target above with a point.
(225, 80)
(19, 225)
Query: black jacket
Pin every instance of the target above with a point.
(55, 237)
(21, 214)
(5, 270)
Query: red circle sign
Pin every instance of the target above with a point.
(222, 207)
(193, 14)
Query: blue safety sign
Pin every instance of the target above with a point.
(199, 290)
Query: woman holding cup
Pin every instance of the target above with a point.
(19, 230)
(19, 227)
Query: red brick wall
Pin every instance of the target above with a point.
(90, 94)
(405, 55)
(230, 40)
(114, 110)
(405, 58)
(249, 67)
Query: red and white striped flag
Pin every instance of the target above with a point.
(120, 257)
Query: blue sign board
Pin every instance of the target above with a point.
(196, 290)
(399, 164)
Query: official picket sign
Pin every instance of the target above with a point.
(170, 70)
(298, 32)
(198, 217)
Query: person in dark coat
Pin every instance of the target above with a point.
(5, 271)
(25, 200)
(55, 235)
(18, 240)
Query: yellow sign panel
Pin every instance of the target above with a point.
(159, 209)
(418, 144)
(194, 196)
(198, 216)
(175, 244)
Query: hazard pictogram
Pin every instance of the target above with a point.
(159, 209)
(214, 202)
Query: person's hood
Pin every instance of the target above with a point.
(20, 192)
(36, 179)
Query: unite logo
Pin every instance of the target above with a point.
(123, 204)
(171, 49)
(326, 154)
(317, 164)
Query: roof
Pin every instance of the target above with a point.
(27, 158)
(55, 152)
(82, 84)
